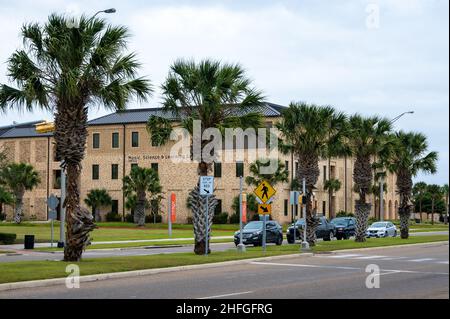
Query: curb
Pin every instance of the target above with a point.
(137, 273)
(391, 246)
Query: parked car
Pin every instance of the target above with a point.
(345, 227)
(324, 230)
(381, 229)
(252, 233)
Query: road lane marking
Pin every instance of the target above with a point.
(304, 265)
(369, 257)
(343, 256)
(443, 262)
(421, 260)
(227, 295)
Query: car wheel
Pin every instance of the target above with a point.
(386, 234)
(339, 237)
(290, 241)
(395, 234)
(279, 241)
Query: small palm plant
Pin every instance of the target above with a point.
(142, 185)
(68, 70)
(6, 198)
(97, 198)
(407, 158)
(19, 178)
(332, 186)
(419, 190)
(435, 193)
(220, 96)
(280, 175)
(311, 132)
(367, 138)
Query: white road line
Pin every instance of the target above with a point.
(343, 256)
(393, 258)
(304, 266)
(421, 260)
(369, 257)
(443, 262)
(227, 295)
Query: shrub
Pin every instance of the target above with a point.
(113, 217)
(255, 217)
(344, 214)
(7, 239)
(129, 218)
(234, 219)
(221, 218)
(190, 220)
(149, 218)
(2, 216)
(372, 220)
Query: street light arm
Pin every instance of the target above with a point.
(399, 116)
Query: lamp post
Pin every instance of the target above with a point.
(111, 10)
(382, 175)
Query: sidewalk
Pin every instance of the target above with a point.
(41, 245)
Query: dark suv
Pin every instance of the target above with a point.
(345, 227)
(324, 230)
(252, 233)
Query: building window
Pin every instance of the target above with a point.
(96, 140)
(333, 172)
(115, 206)
(286, 166)
(324, 174)
(135, 139)
(95, 171)
(286, 207)
(239, 169)
(218, 208)
(217, 169)
(114, 171)
(155, 167)
(115, 140)
(57, 179)
(324, 207)
(134, 165)
(296, 169)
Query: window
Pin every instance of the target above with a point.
(296, 168)
(324, 174)
(115, 140)
(154, 167)
(115, 207)
(286, 207)
(217, 169)
(324, 207)
(96, 140)
(295, 210)
(218, 208)
(57, 179)
(95, 171)
(134, 139)
(134, 165)
(114, 171)
(239, 169)
(286, 166)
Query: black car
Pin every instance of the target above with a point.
(324, 230)
(345, 227)
(252, 233)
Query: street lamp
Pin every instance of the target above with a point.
(382, 175)
(111, 10)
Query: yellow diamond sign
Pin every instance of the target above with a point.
(264, 191)
(264, 209)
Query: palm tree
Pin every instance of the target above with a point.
(367, 138)
(281, 175)
(375, 190)
(97, 198)
(407, 158)
(445, 192)
(19, 178)
(435, 193)
(419, 190)
(220, 96)
(6, 198)
(311, 132)
(332, 185)
(143, 185)
(68, 70)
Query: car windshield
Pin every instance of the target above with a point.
(340, 221)
(253, 225)
(378, 225)
(300, 222)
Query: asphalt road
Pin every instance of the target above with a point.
(405, 272)
(27, 255)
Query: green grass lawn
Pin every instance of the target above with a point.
(114, 231)
(33, 270)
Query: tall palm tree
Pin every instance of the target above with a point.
(419, 190)
(220, 96)
(435, 193)
(409, 157)
(97, 198)
(19, 178)
(367, 137)
(311, 132)
(332, 186)
(281, 175)
(445, 192)
(67, 70)
(143, 185)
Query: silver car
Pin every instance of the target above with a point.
(382, 229)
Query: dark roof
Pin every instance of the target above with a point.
(142, 115)
(124, 117)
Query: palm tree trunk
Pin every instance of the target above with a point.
(420, 208)
(97, 214)
(432, 211)
(363, 178)
(404, 224)
(18, 208)
(79, 220)
(362, 216)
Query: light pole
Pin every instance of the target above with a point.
(111, 10)
(382, 175)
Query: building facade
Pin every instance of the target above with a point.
(120, 140)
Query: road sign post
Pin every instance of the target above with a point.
(62, 230)
(264, 192)
(52, 203)
(206, 190)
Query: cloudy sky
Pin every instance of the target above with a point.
(368, 56)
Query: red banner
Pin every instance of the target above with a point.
(173, 207)
(244, 212)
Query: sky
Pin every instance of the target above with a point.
(382, 57)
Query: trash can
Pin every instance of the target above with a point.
(29, 242)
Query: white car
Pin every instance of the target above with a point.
(382, 229)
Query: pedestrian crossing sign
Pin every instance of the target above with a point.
(264, 191)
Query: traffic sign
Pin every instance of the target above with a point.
(264, 191)
(206, 185)
(265, 209)
(52, 202)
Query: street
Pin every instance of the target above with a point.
(419, 271)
